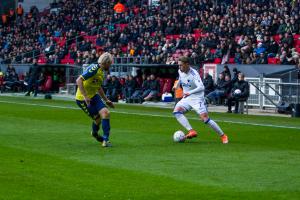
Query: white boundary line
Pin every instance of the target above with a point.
(152, 115)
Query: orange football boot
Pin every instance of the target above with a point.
(191, 134)
(224, 139)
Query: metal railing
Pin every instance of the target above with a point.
(270, 92)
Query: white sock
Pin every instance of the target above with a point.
(183, 121)
(215, 126)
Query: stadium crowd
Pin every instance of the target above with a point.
(251, 32)
(208, 31)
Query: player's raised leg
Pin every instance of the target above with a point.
(179, 115)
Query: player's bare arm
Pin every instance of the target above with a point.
(107, 101)
(79, 82)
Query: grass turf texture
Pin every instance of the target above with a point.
(48, 153)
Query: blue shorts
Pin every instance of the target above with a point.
(93, 109)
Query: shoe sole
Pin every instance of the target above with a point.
(190, 137)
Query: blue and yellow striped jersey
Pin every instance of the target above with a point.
(93, 79)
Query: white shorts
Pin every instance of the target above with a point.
(196, 103)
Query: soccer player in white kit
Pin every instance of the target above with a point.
(193, 97)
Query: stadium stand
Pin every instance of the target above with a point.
(154, 32)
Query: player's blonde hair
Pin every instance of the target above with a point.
(105, 58)
(184, 59)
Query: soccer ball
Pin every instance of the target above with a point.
(179, 136)
(237, 91)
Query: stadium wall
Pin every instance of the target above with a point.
(40, 4)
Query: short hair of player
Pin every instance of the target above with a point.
(184, 59)
(105, 58)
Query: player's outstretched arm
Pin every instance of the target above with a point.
(103, 96)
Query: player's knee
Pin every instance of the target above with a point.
(178, 110)
(177, 114)
(204, 117)
(104, 113)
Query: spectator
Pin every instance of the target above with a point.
(11, 81)
(208, 83)
(129, 88)
(153, 90)
(113, 89)
(226, 71)
(106, 83)
(34, 79)
(262, 59)
(220, 26)
(220, 91)
(178, 91)
(137, 95)
(239, 92)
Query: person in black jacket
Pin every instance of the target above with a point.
(220, 90)
(235, 76)
(11, 81)
(34, 72)
(113, 89)
(129, 87)
(137, 94)
(240, 92)
(208, 83)
(153, 89)
(226, 71)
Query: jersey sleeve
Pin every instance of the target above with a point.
(198, 83)
(90, 71)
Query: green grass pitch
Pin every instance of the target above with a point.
(46, 152)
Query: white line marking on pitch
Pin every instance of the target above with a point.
(152, 115)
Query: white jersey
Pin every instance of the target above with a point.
(191, 83)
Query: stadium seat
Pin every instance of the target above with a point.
(90, 38)
(231, 61)
(217, 61)
(67, 61)
(172, 37)
(124, 49)
(61, 42)
(297, 40)
(197, 31)
(161, 84)
(48, 84)
(68, 56)
(197, 36)
(276, 38)
(167, 86)
(42, 59)
(273, 60)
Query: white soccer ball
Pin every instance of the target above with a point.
(237, 91)
(179, 136)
